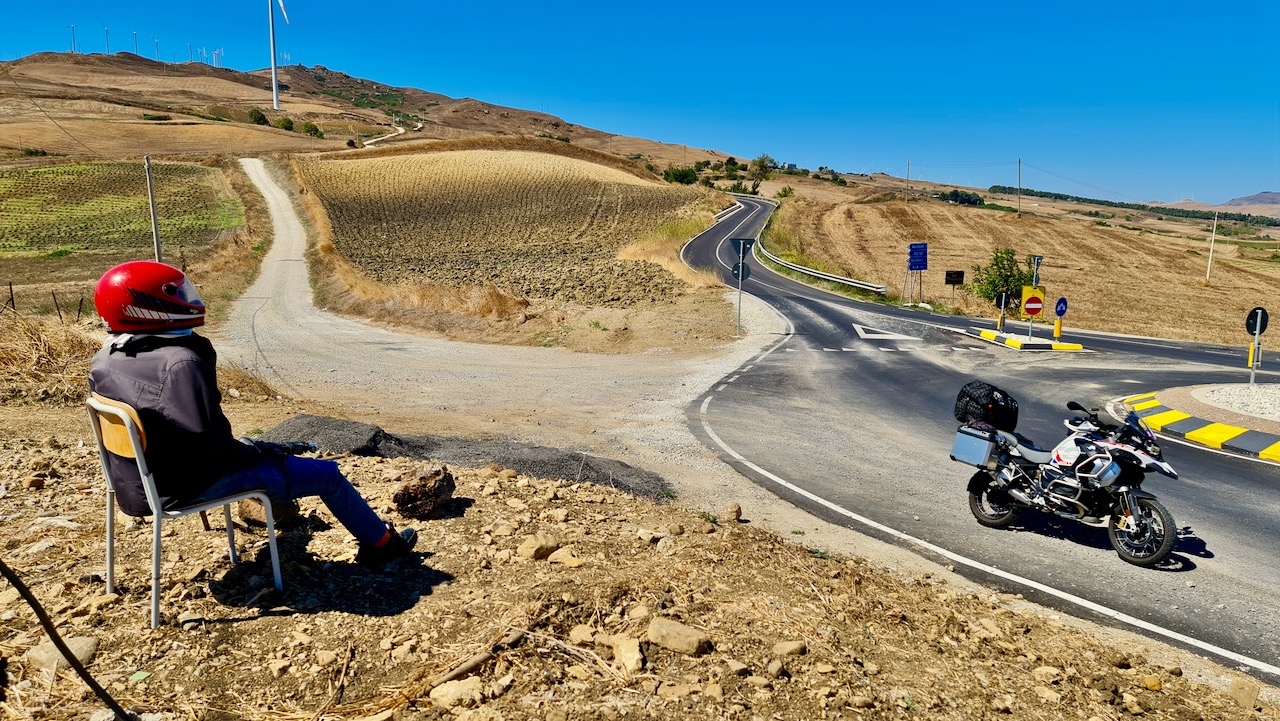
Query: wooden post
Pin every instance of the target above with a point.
(12, 305)
(79, 308)
(55, 305)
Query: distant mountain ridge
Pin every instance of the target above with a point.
(1266, 197)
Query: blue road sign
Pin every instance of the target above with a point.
(918, 256)
(1061, 307)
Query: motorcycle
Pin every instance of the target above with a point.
(1096, 472)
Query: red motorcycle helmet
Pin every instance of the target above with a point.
(143, 296)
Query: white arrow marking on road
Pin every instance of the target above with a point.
(867, 333)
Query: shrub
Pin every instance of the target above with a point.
(351, 143)
(312, 129)
(257, 117)
(149, 116)
(962, 197)
(1003, 274)
(684, 176)
(785, 192)
(34, 152)
(284, 123)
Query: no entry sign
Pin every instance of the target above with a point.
(1034, 305)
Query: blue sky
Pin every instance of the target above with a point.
(1124, 100)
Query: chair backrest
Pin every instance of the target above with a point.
(114, 427)
(117, 430)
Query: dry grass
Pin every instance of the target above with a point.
(481, 215)
(1115, 279)
(44, 360)
(662, 247)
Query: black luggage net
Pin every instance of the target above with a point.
(983, 402)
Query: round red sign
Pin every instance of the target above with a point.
(1033, 305)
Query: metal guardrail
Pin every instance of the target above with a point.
(881, 289)
(862, 285)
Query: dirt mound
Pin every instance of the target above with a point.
(342, 437)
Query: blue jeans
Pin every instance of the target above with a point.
(300, 478)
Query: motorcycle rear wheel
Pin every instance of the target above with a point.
(992, 507)
(1152, 542)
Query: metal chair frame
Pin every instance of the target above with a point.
(117, 430)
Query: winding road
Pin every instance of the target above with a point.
(847, 415)
(850, 417)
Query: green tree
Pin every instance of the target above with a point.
(257, 117)
(312, 129)
(761, 166)
(284, 123)
(1003, 274)
(686, 175)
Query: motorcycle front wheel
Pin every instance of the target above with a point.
(1146, 539)
(992, 506)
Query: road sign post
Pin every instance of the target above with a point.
(1002, 302)
(1032, 304)
(1061, 309)
(954, 278)
(1255, 323)
(917, 262)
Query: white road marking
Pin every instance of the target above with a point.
(867, 333)
(722, 387)
(888, 350)
(992, 570)
(730, 380)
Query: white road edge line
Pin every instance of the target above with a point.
(978, 565)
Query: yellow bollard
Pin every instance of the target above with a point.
(1250, 364)
(1057, 329)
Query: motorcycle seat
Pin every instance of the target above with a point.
(1027, 449)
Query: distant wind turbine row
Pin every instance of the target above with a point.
(218, 54)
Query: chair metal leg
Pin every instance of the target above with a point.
(111, 542)
(271, 542)
(231, 533)
(155, 573)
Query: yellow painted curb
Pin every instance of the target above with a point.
(1271, 453)
(1067, 346)
(1214, 434)
(988, 334)
(1013, 343)
(1160, 420)
(1145, 404)
(1139, 397)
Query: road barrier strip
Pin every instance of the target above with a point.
(1021, 342)
(1172, 422)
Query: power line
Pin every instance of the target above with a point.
(1087, 185)
(28, 96)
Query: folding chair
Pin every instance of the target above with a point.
(117, 430)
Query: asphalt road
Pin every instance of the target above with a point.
(850, 417)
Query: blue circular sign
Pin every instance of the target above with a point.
(1061, 307)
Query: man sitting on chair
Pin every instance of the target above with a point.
(155, 362)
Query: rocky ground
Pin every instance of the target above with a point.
(550, 592)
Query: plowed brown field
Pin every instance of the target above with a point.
(1115, 279)
(535, 224)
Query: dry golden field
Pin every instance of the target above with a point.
(1149, 280)
(536, 224)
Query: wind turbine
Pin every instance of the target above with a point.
(108, 32)
(135, 42)
(73, 38)
(157, 42)
(275, 77)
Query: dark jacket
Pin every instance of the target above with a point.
(172, 383)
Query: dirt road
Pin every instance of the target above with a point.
(625, 407)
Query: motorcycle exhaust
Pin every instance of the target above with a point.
(1021, 497)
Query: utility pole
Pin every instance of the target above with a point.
(909, 177)
(1019, 187)
(151, 197)
(1212, 237)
